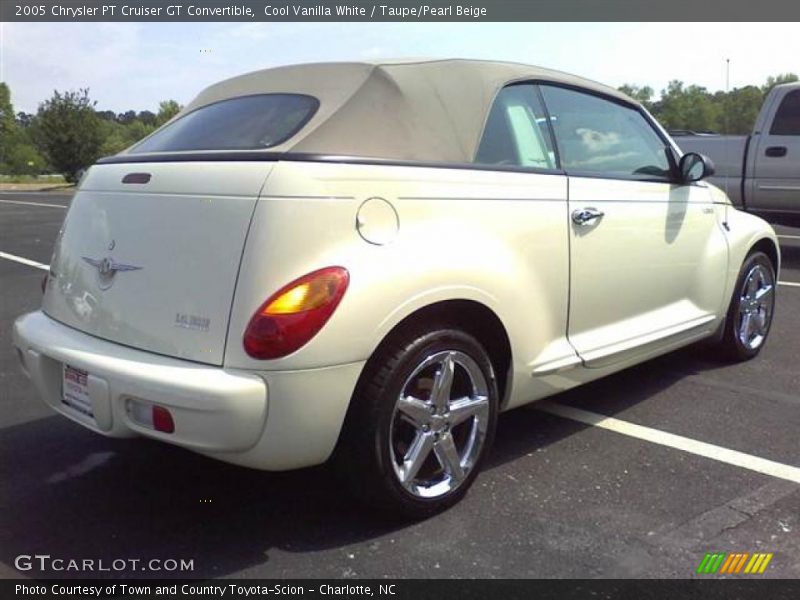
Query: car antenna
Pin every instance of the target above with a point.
(726, 120)
(726, 123)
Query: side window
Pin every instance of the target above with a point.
(595, 135)
(787, 119)
(516, 132)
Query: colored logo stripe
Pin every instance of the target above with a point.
(758, 564)
(741, 562)
(734, 562)
(711, 562)
(727, 565)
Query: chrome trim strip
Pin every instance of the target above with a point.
(780, 188)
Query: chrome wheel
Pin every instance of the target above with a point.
(439, 424)
(756, 304)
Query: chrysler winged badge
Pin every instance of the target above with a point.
(106, 269)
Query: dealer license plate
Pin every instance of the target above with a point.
(75, 390)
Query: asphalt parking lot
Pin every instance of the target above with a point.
(559, 498)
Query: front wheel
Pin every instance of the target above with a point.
(422, 421)
(751, 309)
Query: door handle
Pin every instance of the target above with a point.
(586, 216)
(776, 151)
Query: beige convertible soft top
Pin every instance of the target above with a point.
(427, 110)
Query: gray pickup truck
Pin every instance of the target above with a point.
(760, 172)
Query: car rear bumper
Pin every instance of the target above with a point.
(223, 413)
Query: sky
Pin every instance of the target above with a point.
(134, 66)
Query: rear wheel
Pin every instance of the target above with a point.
(751, 310)
(422, 421)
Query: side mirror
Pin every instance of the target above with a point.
(694, 167)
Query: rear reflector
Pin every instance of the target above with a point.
(162, 420)
(295, 313)
(151, 416)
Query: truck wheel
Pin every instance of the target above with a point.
(421, 422)
(751, 309)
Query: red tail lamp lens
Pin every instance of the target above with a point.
(295, 314)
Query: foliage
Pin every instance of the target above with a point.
(8, 125)
(695, 108)
(18, 156)
(778, 79)
(740, 109)
(166, 110)
(68, 132)
(24, 159)
(644, 95)
(118, 136)
(689, 107)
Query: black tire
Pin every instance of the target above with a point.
(373, 435)
(731, 346)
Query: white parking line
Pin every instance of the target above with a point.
(32, 203)
(24, 261)
(656, 436)
(789, 283)
(789, 237)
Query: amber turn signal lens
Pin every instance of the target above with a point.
(295, 314)
(308, 295)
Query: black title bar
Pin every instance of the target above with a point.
(386, 589)
(397, 10)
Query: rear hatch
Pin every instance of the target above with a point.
(149, 254)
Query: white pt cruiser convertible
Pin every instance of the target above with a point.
(370, 261)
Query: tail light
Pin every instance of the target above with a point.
(295, 313)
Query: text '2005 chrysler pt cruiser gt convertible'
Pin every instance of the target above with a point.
(370, 261)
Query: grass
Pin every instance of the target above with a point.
(47, 179)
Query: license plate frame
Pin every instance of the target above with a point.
(75, 390)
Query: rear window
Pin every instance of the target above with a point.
(244, 123)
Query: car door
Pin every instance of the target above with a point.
(530, 198)
(776, 159)
(647, 254)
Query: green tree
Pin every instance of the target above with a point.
(739, 109)
(107, 115)
(127, 117)
(8, 125)
(118, 136)
(166, 110)
(146, 117)
(24, 119)
(688, 108)
(23, 159)
(778, 79)
(68, 132)
(644, 94)
(114, 138)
